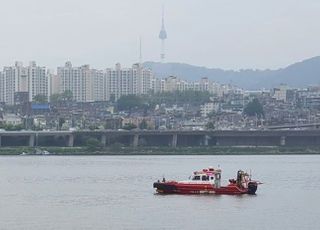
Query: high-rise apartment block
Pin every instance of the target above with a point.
(125, 81)
(53, 83)
(38, 81)
(89, 85)
(78, 80)
(99, 85)
(95, 85)
(14, 79)
(2, 88)
(17, 78)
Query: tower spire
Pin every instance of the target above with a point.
(163, 37)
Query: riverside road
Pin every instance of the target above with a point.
(172, 138)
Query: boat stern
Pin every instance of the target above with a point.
(252, 187)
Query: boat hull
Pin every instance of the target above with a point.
(189, 188)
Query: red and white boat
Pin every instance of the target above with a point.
(208, 181)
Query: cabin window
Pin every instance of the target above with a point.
(212, 178)
(205, 178)
(196, 178)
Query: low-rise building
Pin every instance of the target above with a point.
(208, 108)
(11, 119)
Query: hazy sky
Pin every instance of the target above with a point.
(229, 34)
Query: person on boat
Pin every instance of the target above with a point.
(240, 178)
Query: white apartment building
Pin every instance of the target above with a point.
(2, 88)
(173, 83)
(17, 78)
(207, 108)
(11, 82)
(53, 83)
(145, 79)
(125, 81)
(95, 85)
(78, 80)
(280, 93)
(158, 85)
(89, 85)
(38, 81)
(99, 85)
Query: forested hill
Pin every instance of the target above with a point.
(300, 74)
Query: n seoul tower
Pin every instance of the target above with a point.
(163, 37)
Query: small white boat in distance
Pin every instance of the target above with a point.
(37, 152)
(45, 152)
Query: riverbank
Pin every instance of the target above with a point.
(215, 150)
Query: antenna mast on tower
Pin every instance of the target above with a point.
(140, 51)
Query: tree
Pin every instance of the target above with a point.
(11, 127)
(112, 98)
(93, 144)
(113, 123)
(129, 126)
(40, 98)
(61, 121)
(129, 102)
(93, 127)
(55, 97)
(210, 125)
(67, 95)
(212, 114)
(254, 108)
(192, 97)
(143, 124)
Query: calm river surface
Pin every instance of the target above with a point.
(115, 192)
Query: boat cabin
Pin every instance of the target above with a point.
(202, 177)
(207, 175)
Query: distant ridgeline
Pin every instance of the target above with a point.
(298, 75)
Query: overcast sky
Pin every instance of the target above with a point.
(229, 34)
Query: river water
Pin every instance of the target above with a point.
(115, 192)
